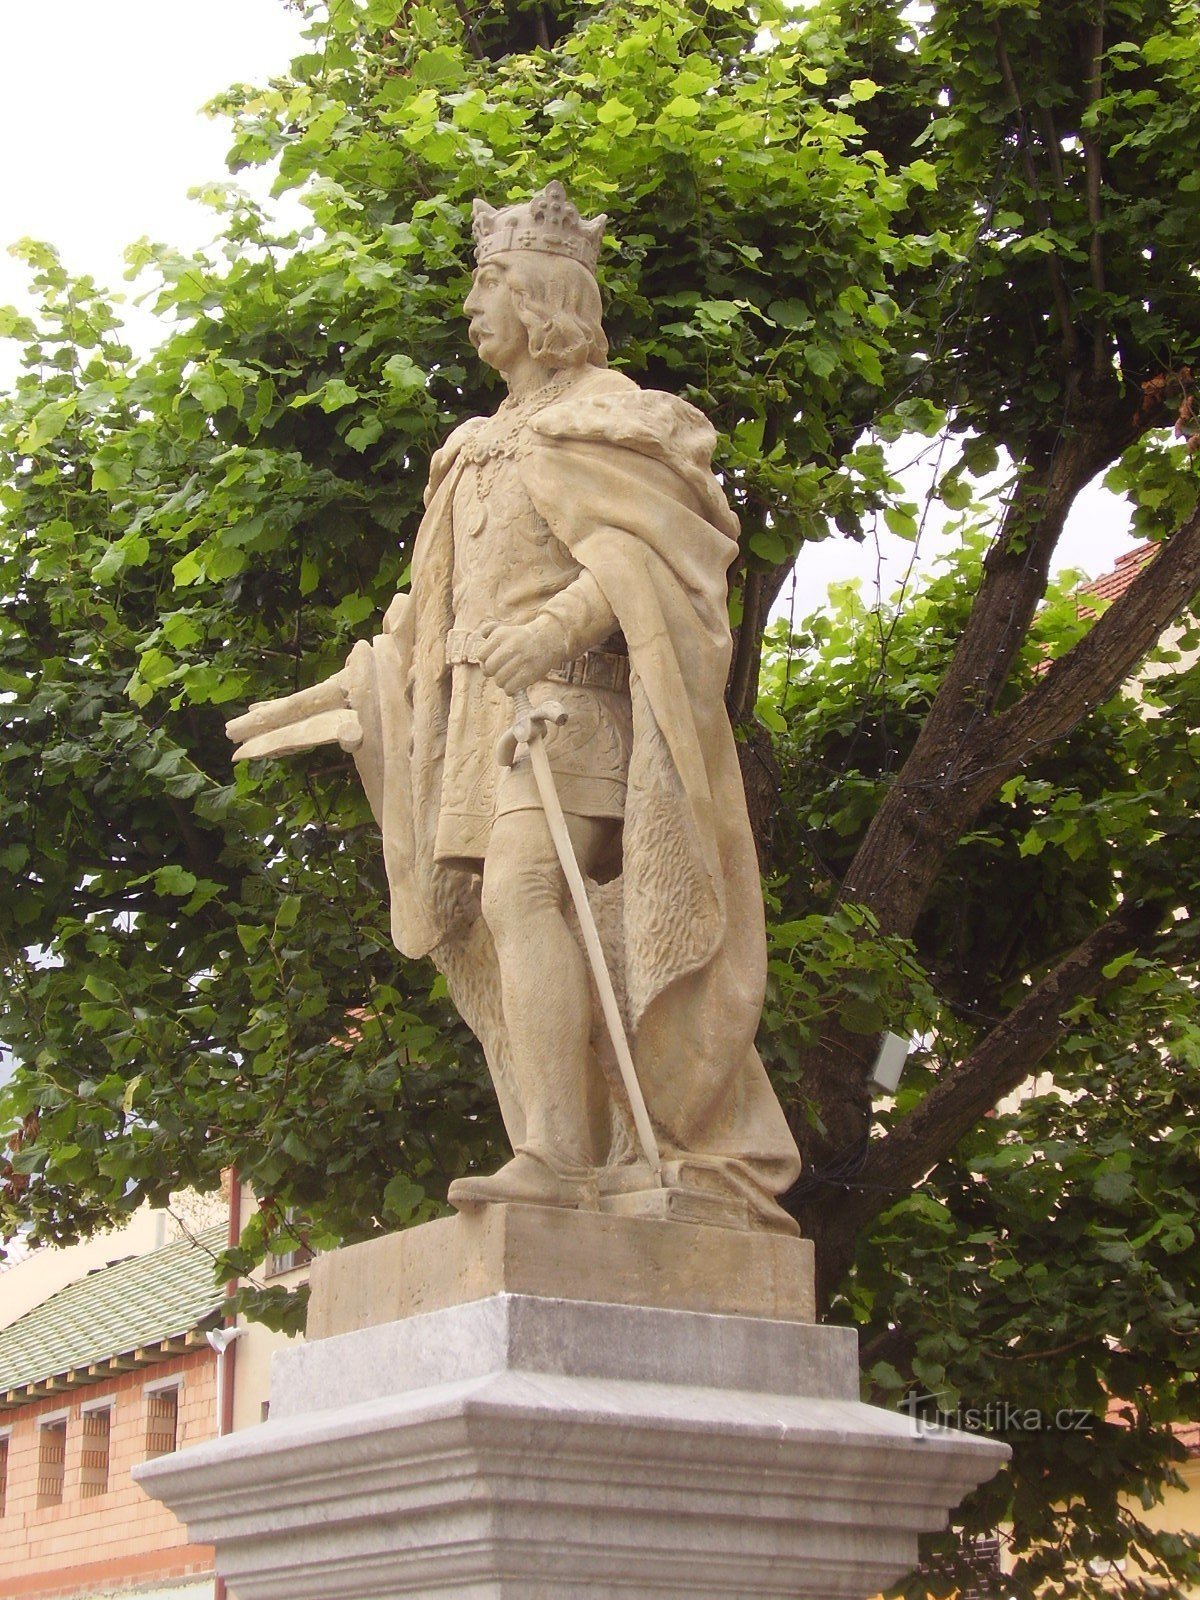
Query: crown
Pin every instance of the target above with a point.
(549, 223)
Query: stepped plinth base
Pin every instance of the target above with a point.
(561, 1255)
(525, 1446)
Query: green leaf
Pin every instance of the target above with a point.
(401, 1197)
(289, 911)
(250, 936)
(174, 880)
(365, 433)
(923, 173)
(901, 521)
(403, 375)
(1113, 1187)
(336, 394)
(187, 569)
(821, 359)
(617, 117)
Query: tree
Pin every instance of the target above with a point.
(1047, 1266)
(978, 225)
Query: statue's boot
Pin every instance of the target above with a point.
(528, 1179)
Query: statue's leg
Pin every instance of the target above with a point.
(545, 989)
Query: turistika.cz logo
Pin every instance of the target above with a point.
(927, 1415)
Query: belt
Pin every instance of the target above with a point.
(596, 669)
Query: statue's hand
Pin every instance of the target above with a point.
(295, 722)
(517, 654)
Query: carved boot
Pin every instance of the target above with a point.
(528, 1179)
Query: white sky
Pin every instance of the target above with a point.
(1097, 532)
(102, 137)
(100, 123)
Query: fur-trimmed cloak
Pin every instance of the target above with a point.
(622, 476)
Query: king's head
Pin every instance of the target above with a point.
(549, 224)
(534, 304)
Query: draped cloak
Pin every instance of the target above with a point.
(622, 477)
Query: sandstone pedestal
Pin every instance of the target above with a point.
(561, 1255)
(527, 1442)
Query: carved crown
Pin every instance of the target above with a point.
(549, 223)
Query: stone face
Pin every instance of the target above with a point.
(564, 1255)
(547, 1450)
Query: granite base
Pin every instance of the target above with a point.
(542, 1448)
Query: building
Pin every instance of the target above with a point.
(105, 1360)
(111, 1369)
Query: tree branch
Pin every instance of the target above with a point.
(202, 853)
(1094, 172)
(1101, 661)
(1001, 1061)
(743, 676)
(1058, 288)
(1049, 133)
(919, 819)
(469, 34)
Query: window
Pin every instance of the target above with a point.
(3, 1472)
(299, 1255)
(1098, 1567)
(162, 1421)
(277, 1265)
(52, 1459)
(96, 1428)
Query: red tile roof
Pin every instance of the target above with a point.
(1119, 1414)
(1109, 586)
(1112, 585)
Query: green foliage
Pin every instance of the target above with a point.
(835, 964)
(1049, 1263)
(831, 230)
(1011, 103)
(197, 977)
(1050, 1267)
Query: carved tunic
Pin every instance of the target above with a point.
(509, 567)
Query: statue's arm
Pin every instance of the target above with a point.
(325, 714)
(581, 614)
(517, 654)
(295, 722)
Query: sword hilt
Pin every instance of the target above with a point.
(529, 724)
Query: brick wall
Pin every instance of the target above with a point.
(115, 1535)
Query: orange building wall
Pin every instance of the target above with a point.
(120, 1535)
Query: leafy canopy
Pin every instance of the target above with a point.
(832, 229)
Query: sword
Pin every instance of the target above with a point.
(529, 729)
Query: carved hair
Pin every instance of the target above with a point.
(558, 301)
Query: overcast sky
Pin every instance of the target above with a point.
(101, 128)
(102, 137)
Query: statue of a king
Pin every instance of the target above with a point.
(575, 546)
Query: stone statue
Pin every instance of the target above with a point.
(564, 649)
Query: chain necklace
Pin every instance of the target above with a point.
(501, 437)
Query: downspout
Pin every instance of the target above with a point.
(227, 1358)
(225, 1420)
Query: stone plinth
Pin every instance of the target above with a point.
(530, 1447)
(561, 1255)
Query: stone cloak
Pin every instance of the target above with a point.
(622, 477)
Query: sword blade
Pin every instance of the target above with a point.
(565, 850)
